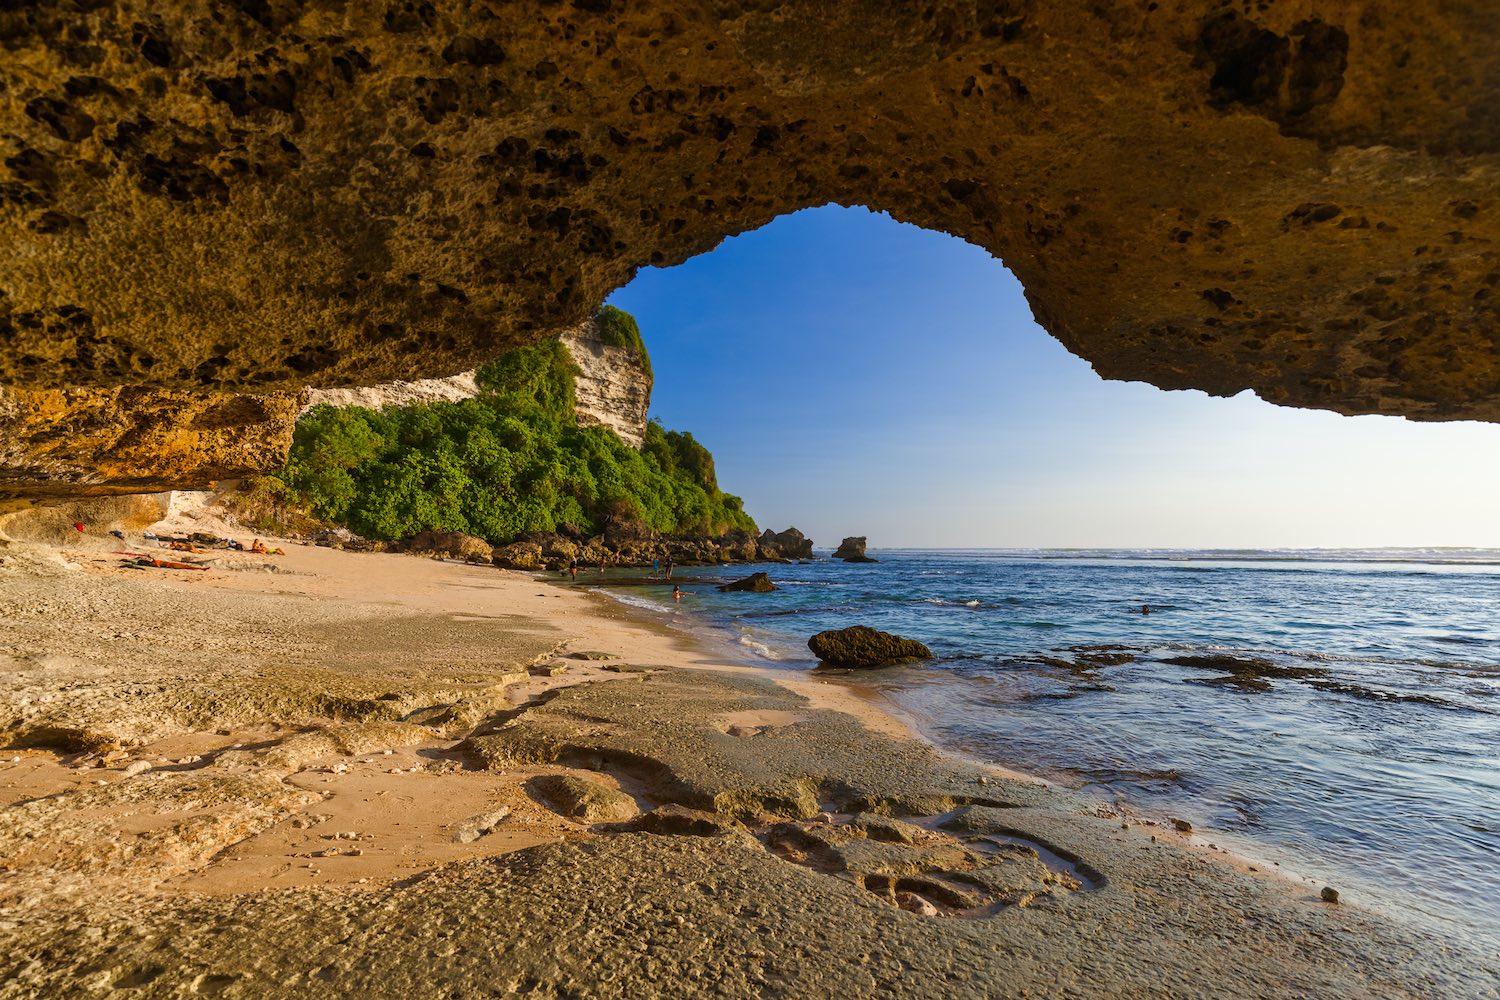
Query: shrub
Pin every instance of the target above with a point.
(509, 462)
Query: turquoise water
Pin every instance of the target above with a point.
(1376, 770)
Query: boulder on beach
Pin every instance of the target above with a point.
(788, 544)
(584, 801)
(518, 555)
(862, 646)
(757, 583)
(449, 544)
(852, 549)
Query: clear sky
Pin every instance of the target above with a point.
(858, 376)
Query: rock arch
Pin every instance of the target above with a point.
(250, 195)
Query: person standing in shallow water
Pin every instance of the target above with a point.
(669, 568)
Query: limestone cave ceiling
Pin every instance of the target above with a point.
(215, 197)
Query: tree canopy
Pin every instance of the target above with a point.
(509, 462)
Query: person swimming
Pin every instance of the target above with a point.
(677, 594)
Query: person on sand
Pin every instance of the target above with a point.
(677, 594)
(258, 547)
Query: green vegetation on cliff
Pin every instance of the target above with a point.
(618, 327)
(511, 461)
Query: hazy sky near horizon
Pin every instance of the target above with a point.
(858, 376)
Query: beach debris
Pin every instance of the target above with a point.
(584, 801)
(477, 826)
(1329, 895)
(861, 646)
(1181, 825)
(755, 583)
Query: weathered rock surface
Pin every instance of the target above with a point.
(398, 393)
(449, 544)
(852, 549)
(788, 544)
(613, 385)
(755, 583)
(90, 442)
(1295, 199)
(709, 901)
(862, 646)
(584, 801)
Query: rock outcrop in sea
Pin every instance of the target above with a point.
(852, 549)
(860, 646)
(785, 545)
(755, 583)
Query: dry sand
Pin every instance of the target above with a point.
(326, 722)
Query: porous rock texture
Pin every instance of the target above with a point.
(1296, 198)
(95, 442)
(862, 646)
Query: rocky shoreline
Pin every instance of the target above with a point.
(388, 777)
(615, 547)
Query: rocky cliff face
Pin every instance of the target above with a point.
(613, 385)
(1298, 198)
(399, 393)
(91, 442)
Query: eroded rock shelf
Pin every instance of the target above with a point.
(216, 198)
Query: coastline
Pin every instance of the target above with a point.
(877, 710)
(391, 634)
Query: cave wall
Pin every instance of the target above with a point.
(247, 195)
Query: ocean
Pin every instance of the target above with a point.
(1336, 713)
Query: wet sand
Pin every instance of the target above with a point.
(208, 771)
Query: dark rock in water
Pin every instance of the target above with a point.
(1247, 673)
(852, 549)
(1182, 826)
(862, 646)
(757, 583)
(788, 544)
(1329, 895)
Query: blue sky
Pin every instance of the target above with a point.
(855, 375)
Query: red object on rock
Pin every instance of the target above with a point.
(78, 526)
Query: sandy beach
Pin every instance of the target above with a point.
(331, 773)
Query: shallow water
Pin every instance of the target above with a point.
(1368, 759)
